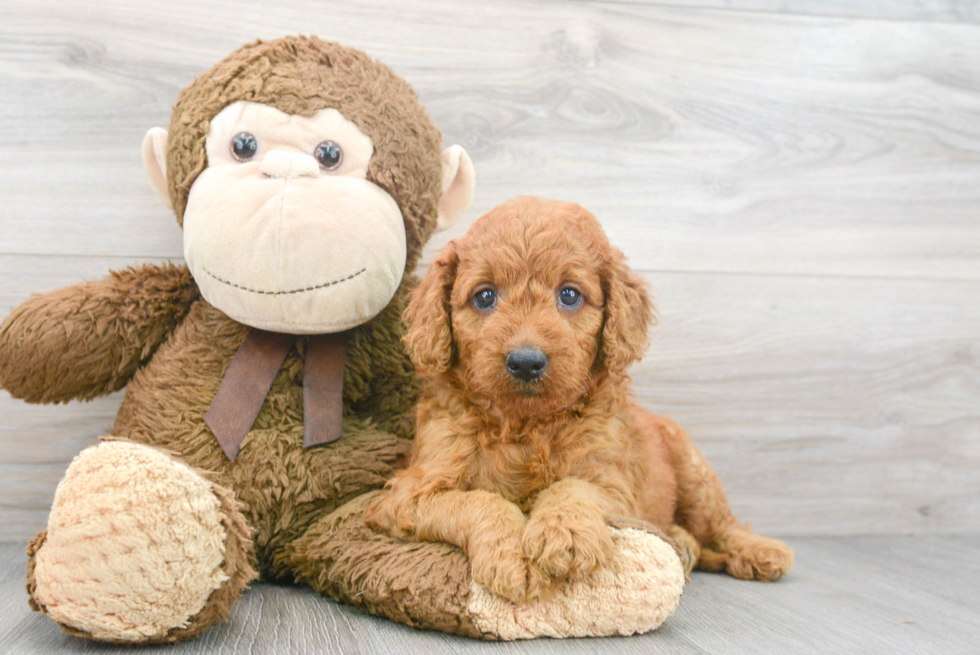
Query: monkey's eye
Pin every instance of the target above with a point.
(329, 154)
(485, 298)
(569, 297)
(244, 146)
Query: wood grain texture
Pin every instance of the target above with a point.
(953, 11)
(845, 595)
(801, 192)
(756, 143)
(826, 405)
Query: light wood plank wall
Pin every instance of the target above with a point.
(802, 191)
(956, 11)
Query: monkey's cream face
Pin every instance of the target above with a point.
(283, 231)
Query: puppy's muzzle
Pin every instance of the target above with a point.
(527, 364)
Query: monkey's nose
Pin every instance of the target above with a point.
(527, 363)
(289, 165)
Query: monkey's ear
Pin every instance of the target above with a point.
(458, 181)
(155, 162)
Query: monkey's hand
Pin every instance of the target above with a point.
(89, 339)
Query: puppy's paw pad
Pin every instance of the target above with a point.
(754, 557)
(502, 571)
(387, 516)
(560, 548)
(378, 516)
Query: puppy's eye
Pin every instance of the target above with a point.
(485, 298)
(569, 297)
(244, 146)
(329, 154)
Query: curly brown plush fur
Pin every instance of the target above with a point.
(278, 74)
(149, 328)
(524, 472)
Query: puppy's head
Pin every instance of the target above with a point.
(529, 308)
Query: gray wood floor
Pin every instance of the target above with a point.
(845, 595)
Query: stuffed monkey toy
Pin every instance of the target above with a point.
(267, 391)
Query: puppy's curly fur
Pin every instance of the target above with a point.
(522, 470)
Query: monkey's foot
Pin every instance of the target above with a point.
(139, 548)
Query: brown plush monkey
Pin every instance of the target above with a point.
(307, 178)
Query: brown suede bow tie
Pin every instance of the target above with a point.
(251, 373)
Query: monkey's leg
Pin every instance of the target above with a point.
(139, 548)
(702, 510)
(429, 584)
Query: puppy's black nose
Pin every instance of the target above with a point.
(526, 363)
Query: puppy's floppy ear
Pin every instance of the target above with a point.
(629, 313)
(429, 338)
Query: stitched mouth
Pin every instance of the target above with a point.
(285, 293)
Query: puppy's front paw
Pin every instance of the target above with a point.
(386, 515)
(500, 568)
(558, 546)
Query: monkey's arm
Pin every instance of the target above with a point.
(431, 585)
(89, 339)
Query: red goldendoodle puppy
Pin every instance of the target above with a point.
(526, 437)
